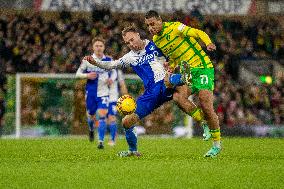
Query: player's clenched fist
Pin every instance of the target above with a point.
(167, 80)
(211, 47)
(90, 59)
(168, 68)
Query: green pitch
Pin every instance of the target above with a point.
(166, 163)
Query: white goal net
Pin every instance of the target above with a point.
(45, 103)
(54, 104)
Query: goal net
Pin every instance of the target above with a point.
(54, 104)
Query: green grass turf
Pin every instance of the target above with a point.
(166, 163)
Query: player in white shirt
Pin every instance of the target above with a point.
(97, 91)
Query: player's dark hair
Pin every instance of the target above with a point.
(152, 14)
(98, 39)
(129, 28)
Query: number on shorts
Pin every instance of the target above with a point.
(204, 79)
(104, 100)
(114, 109)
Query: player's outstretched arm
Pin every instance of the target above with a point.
(81, 74)
(108, 65)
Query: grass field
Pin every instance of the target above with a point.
(166, 163)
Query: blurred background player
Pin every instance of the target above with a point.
(97, 91)
(179, 43)
(116, 86)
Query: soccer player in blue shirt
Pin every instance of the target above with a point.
(97, 91)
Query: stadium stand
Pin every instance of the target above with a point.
(36, 43)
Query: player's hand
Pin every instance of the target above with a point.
(109, 82)
(90, 59)
(167, 81)
(211, 47)
(168, 68)
(166, 65)
(92, 75)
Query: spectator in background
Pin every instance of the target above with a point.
(65, 14)
(280, 54)
(195, 13)
(31, 40)
(101, 13)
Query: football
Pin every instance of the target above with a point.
(126, 105)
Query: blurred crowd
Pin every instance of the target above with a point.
(239, 104)
(32, 42)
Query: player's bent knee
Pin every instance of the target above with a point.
(92, 117)
(125, 122)
(184, 90)
(176, 97)
(179, 97)
(102, 113)
(111, 119)
(129, 120)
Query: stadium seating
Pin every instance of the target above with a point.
(37, 43)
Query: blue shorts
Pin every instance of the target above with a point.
(112, 109)
(153, 98)
(93, 103)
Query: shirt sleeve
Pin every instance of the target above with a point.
(123, 62)
(193, 32)
(80, 72)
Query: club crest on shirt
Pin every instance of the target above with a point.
(151, 48)
(168, 37)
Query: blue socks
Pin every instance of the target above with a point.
(131, 138)
(91, 124)
(176, 79)
(102, 129)
(112, 130)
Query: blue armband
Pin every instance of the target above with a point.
(176, 79)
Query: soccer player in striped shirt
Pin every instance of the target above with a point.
(179, 43)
